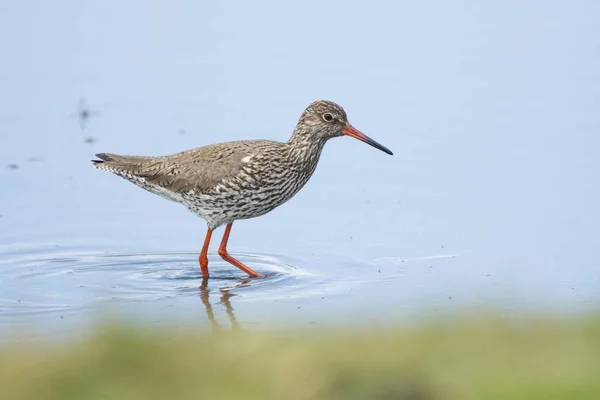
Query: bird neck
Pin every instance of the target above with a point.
(305, 148)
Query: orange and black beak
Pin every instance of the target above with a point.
(351, 131)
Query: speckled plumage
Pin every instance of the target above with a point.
(237, 180)
(221, 182)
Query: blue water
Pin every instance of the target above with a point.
(490, 200)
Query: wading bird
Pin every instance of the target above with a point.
(225, 182)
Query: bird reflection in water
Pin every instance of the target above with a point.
(224, 299)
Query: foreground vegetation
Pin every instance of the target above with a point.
(477, 359)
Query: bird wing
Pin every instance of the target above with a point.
(199, 169)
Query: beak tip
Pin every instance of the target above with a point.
(385, 150)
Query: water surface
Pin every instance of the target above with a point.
(491, 198)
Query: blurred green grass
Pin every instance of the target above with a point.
(488, 358)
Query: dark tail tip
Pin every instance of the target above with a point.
(102, 157)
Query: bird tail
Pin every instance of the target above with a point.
(116, 163)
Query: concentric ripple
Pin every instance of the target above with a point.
(66, 289)
(62, 282)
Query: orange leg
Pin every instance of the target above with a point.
(203, 258)
(225, 256)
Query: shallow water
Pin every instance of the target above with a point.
(490, 201)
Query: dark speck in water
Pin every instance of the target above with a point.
(450, 298)
(90, 140)
(181, 131)
(13, 166)
(84, 113)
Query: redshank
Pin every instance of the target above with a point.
(225, 182)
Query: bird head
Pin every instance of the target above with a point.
(323, 120)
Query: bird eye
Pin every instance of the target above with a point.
(328, 117)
